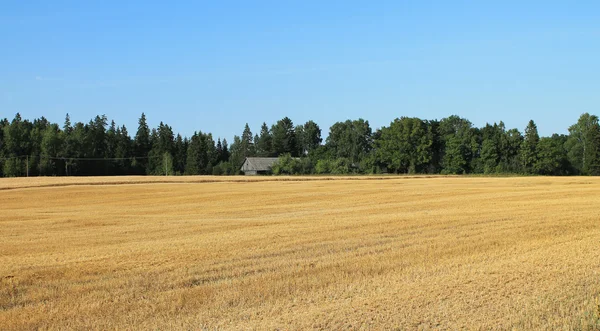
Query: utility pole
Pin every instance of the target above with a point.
(27, 165)
(165, 157)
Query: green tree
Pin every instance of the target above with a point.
(16, 141)
(160, 157)
(34, 144)
(111, 140)
(111, 147)
(77, 144)
(460, 145)
(247, 142)
(309, 137)
(67, 147)
(529, 147)
(97, 143)
(510, 145)
(211, 153)
(405, 146)
(98, 137)
(350, 140)
(197, 155)
(123, 148)
(141, 145)
(264, 143)
(286, 165)
(52, 142)
(3, 123)
(490, 153)
(222, 151)
(236, 158)
(284, 138)
(180, 157)
(552, 157)
(582, 144)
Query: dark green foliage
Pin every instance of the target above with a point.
(500, 150)
(490, 152)
(264, 142)
(223, 153)
(201, 155)
(211, 152)
(309, 137)
(16, 143)
(284, 138)
(123, 150)
(236, 157)
(52, 142)
(3, 123)
(510, 147)
(160, 157)
(552, 157)
(288, 165)
(459, 143)
(247, 143)
(529, 148)
(583, 144)
(407, 145)
(180, 156)
(339, 166)
(77, 147)
(352, 140)
(141, 145)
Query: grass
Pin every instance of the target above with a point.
(299, 253)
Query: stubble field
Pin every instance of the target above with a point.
(299, 253)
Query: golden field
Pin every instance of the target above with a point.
(299, 253)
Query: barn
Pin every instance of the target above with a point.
(258, 165)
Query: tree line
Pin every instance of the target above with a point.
(408, 145)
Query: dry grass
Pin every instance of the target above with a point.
(299, 254)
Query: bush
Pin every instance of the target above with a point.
(288, 165)
(323, 167)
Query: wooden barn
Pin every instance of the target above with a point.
(258, 165)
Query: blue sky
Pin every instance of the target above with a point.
(213, 66)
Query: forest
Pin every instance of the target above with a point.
(452, 145)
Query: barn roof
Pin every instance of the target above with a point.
(259, 163)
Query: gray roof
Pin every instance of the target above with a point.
(259, 163)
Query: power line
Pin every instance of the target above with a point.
(12, 157)
(98, 158)
(81, 158)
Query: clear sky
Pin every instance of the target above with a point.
(213, 66)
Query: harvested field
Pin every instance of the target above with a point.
(299, 253)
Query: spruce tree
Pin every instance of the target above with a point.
(529, 146)
(247, 142)
(141, 145)
(264, 145)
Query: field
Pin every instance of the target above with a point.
(299, 253)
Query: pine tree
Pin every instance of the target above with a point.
(111, 139)
(123, 151)
(284, 138)
(224, 157)
(141, 145)
(247, 143)
(180, 154)
(67, 128)
(197, 156)
(264, 144)
(160, 161)
(528, 151)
